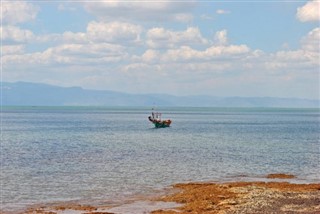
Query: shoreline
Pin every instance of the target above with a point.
(272, 195)
(246, 197)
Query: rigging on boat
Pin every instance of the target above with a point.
(155, 118)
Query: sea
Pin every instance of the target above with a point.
(105, 155)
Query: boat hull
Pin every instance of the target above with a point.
(160, 123)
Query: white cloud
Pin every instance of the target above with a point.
(97, 50)
(106, 32)
(14, 12)
(15, 34)
(162, 38)
(297, 56)
(71, 37)
(187, 54)
(113, 32)
(227, 50)
(99, 44)
(12, 49)
(176, 47)
(183, 17)
(145, 11)
(309, 12)
(70, 54)
(220, 11)
(311, 42)
(150, 56)
(247, 66)
(304, 59)
(221, 37)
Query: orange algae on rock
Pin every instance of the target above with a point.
(280, 176)
(75, 207)
(54, 209)
(199, 198)
(245, 197)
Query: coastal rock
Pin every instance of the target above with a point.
(280, 176)
(245, 197)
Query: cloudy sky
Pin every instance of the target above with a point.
(220, 48)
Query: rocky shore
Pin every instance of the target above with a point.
(214, 198)
(246, 197)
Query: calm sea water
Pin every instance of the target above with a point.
(51, 154)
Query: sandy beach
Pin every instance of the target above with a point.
(272, 196)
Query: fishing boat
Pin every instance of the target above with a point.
(155, 118)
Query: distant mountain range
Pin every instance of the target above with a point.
(37, 94)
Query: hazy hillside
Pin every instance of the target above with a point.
(35, 94)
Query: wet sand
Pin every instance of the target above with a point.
(211, 198)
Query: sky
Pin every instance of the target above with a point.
(219, 48)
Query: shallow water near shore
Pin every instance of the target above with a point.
(106, 155)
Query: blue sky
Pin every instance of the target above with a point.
(220, 48)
